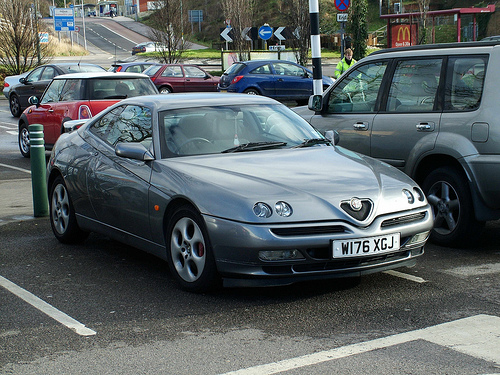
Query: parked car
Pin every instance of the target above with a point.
(132, 67)
(10, 81)
(278, 79)
(147, 47)
(430, 111)
(227, 185)
(78, 96)
(38, 79)
(181, 78)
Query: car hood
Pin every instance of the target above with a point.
(314, 181)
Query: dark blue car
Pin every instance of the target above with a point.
(278, 79)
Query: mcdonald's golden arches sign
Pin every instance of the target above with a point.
(403, 35)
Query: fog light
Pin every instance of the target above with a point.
(262, 210)
(419, 237)
(409, 196)
(274, 255)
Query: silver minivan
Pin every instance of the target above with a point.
(431, 111)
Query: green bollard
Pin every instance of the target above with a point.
(38, 171)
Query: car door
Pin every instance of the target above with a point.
(27, 87)
(46, 113)
(291, 81)
(408, 123)
(172, 76)
(118, 187)
(197, 80)
(39, 86)
(351, 106)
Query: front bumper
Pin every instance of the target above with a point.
(237, 245)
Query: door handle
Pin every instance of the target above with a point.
(425, 126)
(51, 110)
(360, 126)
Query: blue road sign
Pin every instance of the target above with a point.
(64, 19)
(342, 5)
(265, 32)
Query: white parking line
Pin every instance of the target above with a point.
(47, 309)
(16, 168)
(405, 276)
(478, 336)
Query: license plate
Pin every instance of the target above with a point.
(358, 247)
(222, 90)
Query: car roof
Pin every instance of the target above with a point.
(103, 75)
(201, 99)
(425, 47)
(255, 62)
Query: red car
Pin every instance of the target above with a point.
(181, 78)
(78, 96)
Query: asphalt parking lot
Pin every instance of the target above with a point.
(104, 307)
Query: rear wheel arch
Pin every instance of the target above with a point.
(432, 162)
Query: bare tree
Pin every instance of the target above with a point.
(20, 49)
(240, 13)
(423, 6)
(167, 29)
(297, 17)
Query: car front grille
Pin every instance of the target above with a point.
(403, 219)
(304, 231)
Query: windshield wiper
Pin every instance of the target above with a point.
(314, 141)
(252, 146)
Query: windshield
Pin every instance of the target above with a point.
(227, 129)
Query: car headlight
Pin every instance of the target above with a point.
(262, 209)
(283, 209)
(409, 196)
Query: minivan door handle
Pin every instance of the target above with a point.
(360, 126)
(425, 126)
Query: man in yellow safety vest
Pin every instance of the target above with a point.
(345, 63)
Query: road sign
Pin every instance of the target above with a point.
(265, 32)
(44, 37)
(341, 17)
(278, 34)
(225, 34)
(342, 5)
(279, 47)
(244, 34)
(64, 19)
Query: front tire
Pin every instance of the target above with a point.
(62, 214)
(15, 105)
(24, 140)
(189, 252)
(448, 192)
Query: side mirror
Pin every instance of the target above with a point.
(315, 103)
(333, 136)
(22, 80)
(135, 151)
(33, 100)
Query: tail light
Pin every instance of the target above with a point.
(236, 79)
(152, 78)
(84, 112)
(6, 85)
(118, 69)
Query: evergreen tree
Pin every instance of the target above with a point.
(357, 26)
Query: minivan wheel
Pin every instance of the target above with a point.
(165, 90)
(448, 192)
(24, 140)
